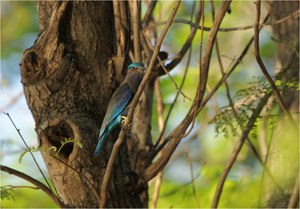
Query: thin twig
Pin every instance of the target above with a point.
(237, 150)
(247, 27)
(217, 86)
(264, 69)
(178, 57)
(11, 187)
(252, 147)
(193, 179)
(160, 121)
(120, 140)
(149, 13)
(229, 72)
(188, 43)
(159, 140)
(175, 137)
(221, 65)
(165, 70)
(203, 75)
(35, 161)
(35, 182)
(135, 22)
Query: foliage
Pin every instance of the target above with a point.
(50, 149)
(245, 102)
(27, 198)
(238, 192)
(7, 193)
(17, 24)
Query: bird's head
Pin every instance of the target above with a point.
(137, 67)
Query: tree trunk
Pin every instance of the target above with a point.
(68, 76)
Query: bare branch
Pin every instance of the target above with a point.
(250, 144)
(220, 82)
(177, 134)
(264, 69)
(147, 76)
(122, 34)
(36, 163)
(192, 179)
(167, 71)
(35, 182)
(247, 27)
(135, 22)
(149, 14)
(203, 75)
(159, 140)
(177, 58)
(237, 150)
(160, 121)
(11, 187)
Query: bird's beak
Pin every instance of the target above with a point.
(143, 70)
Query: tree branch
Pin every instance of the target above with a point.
(178, 57)
(217, 86)
(192, 180)
(264, 69)
(231, 104)
(178, 133)
(237, 150)
(160, 121)
(149, 14)
(246, 27)
(36, 163)
(35, 182)
(166, 71)
(135, 22)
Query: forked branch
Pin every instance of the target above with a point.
(264, 69)
(35, 182)
(175, 137)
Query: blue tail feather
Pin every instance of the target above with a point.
(100, 143)
(103, 136)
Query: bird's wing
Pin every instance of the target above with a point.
(117, 104)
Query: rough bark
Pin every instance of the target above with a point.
(68, 76)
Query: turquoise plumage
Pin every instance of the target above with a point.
(118, 104)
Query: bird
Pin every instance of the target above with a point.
(119, 103)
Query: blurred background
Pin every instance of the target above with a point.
(191, 176)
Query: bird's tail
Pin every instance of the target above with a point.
(100, 143)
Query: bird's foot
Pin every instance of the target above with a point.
(123, 126)
(123, 120)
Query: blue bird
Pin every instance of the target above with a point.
(119, 103)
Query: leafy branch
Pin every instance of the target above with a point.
(49, 149)
(35, 161)
(245, 103)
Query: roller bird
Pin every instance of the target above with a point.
(119, 103)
